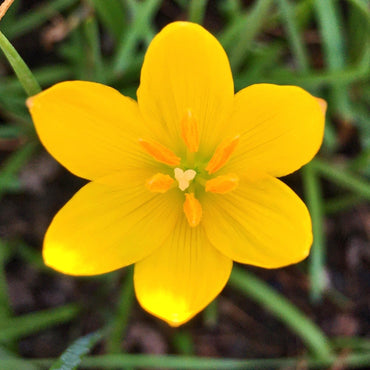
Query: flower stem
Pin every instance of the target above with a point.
(25, 76)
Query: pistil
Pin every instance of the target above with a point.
(184, 177)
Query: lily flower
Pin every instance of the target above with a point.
(182, 182)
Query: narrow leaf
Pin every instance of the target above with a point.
(72, 357)
(20, 68)
(277, 304)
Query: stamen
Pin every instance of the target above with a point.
(184, 177)
(222, 154)
(222, 184)
(190, 131)
(159, 183)
(192, 209)
(160, 152)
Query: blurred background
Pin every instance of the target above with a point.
(314, 314)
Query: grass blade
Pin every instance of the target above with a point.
(314, 201)
(124, 361)
(9, 361)
(197, 9)
(20, 68)
(4, 297)
(73, 355)
(119, 324)
(37, 17)
(290, 315)
(334, 51)
(112, 15)
(22, 326)
(253, 22)
(343, 178)
(93, 40)
(294, 36)
(13, 164)
(138, 29)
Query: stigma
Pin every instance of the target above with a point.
(184, 177)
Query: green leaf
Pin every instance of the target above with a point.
(144, 13)
(112, 15)
(20, 68)
(22, 326)
(278, 305)
(10, 361)
(125, 361)
(73, 355)
(9, 170)
(120, 320)
(330, 26)
(343, 178)
(36, 17)
(294, 36)
(314, 201)
(197, 9)
(252, 22)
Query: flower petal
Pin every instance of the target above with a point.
(262, 223)
(182, 277)
(91, 129)
(281, 128)
(185, 69)
(105, 227)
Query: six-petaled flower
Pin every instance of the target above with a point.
(183, 181)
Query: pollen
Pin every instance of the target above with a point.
(184, 177)
(190, 131)
(222, 184)
(160, 152)
(192, 209)
(159, 183)
(222, 154)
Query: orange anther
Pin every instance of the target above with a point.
(222, 154)
(160, 152)
(159, 183)
(192, 209)
(190, 131)
(222, 184)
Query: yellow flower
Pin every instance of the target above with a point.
(183, 181)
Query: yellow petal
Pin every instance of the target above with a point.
(182, 277)
(281, 128)
(185, 68)
(89, 128)
(103, 228)
(262, 223)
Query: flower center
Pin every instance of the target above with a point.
(184, 177)
(162, 182)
